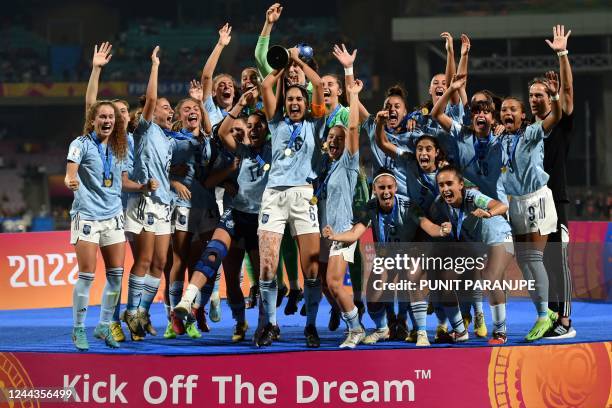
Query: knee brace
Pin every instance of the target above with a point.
(209, 268)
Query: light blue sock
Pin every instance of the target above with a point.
(477, 301)
(352, 319)
(110, 294)
(454, 316)
(80, 298)
(531, 263)
(175, 292)
(151, 284)
(267, 292)
(379, 315)
(135, 288)
(312, 298)
(498, 315)
(418, 314)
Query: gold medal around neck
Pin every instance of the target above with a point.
(314, 200)
(287, 152)
(266, 167)
(504, 169)
(325, 147)
(108, 182)
(425, 111)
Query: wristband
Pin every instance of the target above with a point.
(562, 53)
(554, 97)
(348, 71)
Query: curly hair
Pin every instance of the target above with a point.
(117, 139)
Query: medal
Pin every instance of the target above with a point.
(287, 152)
(425, 111)
(266, 167)
(504, 169)
(108, 182)
(314, 200)
(325, 147)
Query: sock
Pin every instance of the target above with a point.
(117, 311)
(439, 311)
(267, 293)
(238, 310)
(454, 316)
(378, 316)
(197, 300)
(312, 298)
(135, 287)
(207, 291)
(191, 294)
(175, 293)
(151, 284)
(477, 301)
(80, 298)
(531, 263)
(418, 314)
(498, 315)
(352, 319)
(110, 294)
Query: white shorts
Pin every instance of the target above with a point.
(533, 212)
(185, 219)
(292, 206)
(145, 214)
(103, 232)
(333, 248)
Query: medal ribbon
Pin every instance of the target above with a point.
(105, 156)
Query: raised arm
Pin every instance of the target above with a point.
(349, 236)
(263, 42)
(450, 63)
(100, 58)
(438, 110)
(311, 75)
(463, 65)
(552, 84)
(347, 60)
(352, 142)
(559, 45)
(226, 125)
(381, 136)
(268, 94)
(225, 36)
(197, 93)
(151, 95)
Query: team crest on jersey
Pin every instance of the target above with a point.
(229, 224)
(265, 218)
(86, 229)
(150, 219)
(182, 219)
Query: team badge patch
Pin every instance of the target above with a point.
(265, 218)
(182, 219)
(229, 224)
(150, 219)
(86, 229)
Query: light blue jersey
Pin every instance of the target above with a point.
(336, 190)
(400, 225)
(153, 153)
(95, 200)
(252, 177)
(215, 113)
(299, 167)
(480, 161)
(402, 140)
(523, 162)
(185, 151)
(339, 116)
(129, 167)
(466, 226)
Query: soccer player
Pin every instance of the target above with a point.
(237, 230)
(288, 194)
(532, 210)
(476, 217)
(96, 173)
(334, 194)
(148, 215)
(394, 218)
(556, 148)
